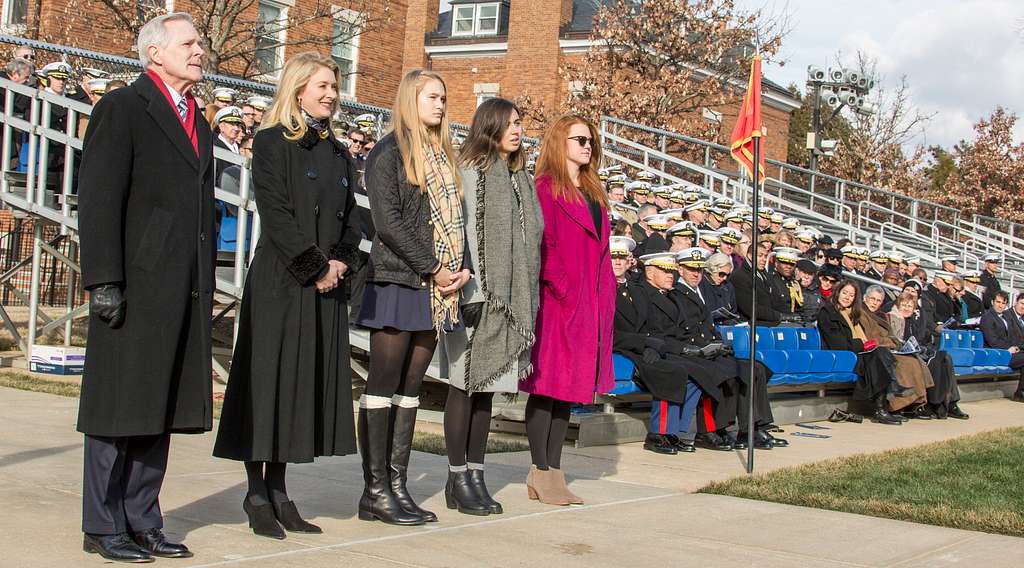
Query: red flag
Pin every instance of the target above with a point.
(749, 126)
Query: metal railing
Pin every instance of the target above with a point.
(938, 229)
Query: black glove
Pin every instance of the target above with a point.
(651, 356)
(711, 350)
(471, 314)
(655, 343)
(108, 304)
(691, 351)
(727, 351)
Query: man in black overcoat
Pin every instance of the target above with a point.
(727, 401)
(146, 230)
(743, 280)
(648, 322)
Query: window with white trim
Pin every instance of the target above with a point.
(271, 24)
(345, 49)
(15, 13)
(485, 91)
(475, 19)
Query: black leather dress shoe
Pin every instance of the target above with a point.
(762, 441)
(660, 444)
(685, 446)
(883, 416)
(776, 442)
(921, 412)
(115, 547)
(954, 412)
(712, 441)
(739, 441)
(154, 542)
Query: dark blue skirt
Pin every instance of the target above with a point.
(395, 306)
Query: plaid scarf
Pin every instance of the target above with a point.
(449, 230)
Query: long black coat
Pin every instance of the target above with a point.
(975, 304)
(146, 222)
(743, 281)
(289, 397)
(991, 284)
(720, 296)
(641, 311)
(945, 308)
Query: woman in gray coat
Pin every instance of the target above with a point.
(492, 352)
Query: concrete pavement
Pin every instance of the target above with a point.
(638, 511)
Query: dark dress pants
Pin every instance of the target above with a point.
(121, 483)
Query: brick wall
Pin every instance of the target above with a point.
(86, 24)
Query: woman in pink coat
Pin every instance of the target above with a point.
(572, 357)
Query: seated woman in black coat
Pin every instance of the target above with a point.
(839, 323)
(719, 295)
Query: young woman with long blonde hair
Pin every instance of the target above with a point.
(415, 273)
(572, 356)
(289, 397)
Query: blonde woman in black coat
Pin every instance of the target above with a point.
(289, 397)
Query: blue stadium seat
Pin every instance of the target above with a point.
(623, 369)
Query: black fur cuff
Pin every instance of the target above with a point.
(350, 255)
(307, 266)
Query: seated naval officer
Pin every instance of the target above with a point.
(725, 400)
(681, 236)
(649, 330)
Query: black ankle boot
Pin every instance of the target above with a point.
(460, 494)
(404, 425)
(262, 520)
(288, 515)
(377, 501)
(476, 479)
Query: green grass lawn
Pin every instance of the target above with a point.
(424, 441)
(972, 483)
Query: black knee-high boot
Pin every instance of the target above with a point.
(377, 501)
(403, 425)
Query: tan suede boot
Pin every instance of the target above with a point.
(543, 486)
(569, 496)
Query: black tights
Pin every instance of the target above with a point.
(266, 482)
(547, 423)
(398, 361)
(467, 421)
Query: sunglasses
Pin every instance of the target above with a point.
(583, 141)
(723, 274)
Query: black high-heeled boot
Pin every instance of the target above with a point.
(377, 501)
(404, 424)
(288, 515)
(262, 520)
(476, 479)
(460, 494)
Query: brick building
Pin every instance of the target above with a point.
(484, 48)
(373, 56)
(508, 48)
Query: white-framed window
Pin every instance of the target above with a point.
(484, 91)
(271, 30)
(345, 48)
(15, 14)
(475, 19)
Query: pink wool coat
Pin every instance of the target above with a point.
(572, 358)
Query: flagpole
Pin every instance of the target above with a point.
(751, 391)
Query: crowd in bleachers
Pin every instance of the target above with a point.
(829, 313)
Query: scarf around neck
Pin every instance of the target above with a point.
(449, 224)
